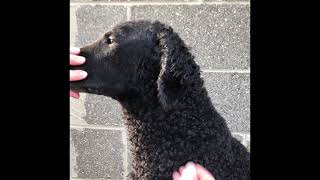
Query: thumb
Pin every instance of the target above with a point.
(189, 173)
(203, 174)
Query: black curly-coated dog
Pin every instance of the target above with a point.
(169, 116)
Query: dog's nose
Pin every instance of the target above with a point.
(88, 50)
(84, 51)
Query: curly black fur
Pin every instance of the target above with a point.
(169, 115)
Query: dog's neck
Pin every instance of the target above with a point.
(146, 122)
(140, 105)
(140, 101)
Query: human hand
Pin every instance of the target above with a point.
(76, 75)
(192, 172)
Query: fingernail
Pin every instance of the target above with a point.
(190, 164)
(81, 59)
(190, 167)
(83, 73)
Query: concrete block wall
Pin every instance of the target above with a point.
(218, 33)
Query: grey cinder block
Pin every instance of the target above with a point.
(218, 34)
(230, 94)
(97, 153)
(102, 110)
(94, 21)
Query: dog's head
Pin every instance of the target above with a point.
(133, 52)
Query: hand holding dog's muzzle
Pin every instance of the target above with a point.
(76, 75)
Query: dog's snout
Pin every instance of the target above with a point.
(85, 52)
(89, 50)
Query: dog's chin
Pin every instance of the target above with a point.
(79, 89)
(93, 89)
(85, 90)
(89, 90)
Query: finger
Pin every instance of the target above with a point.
(181, 169)
(176, 176)
(76, 60)
(74, 94)
(189, 173)
(74, 50)
(203, 174)
(76, 75)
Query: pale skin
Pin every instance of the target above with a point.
(190, 171)
(76, 75)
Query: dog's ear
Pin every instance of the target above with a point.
(177, 67)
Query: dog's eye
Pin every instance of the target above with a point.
(109, 40)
